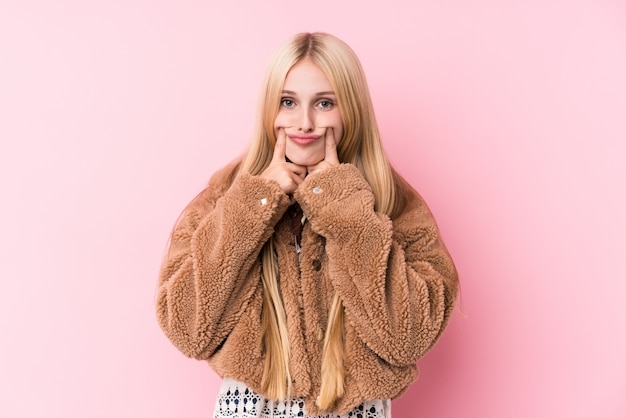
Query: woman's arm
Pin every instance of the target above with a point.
(396, 279)
(211, 269)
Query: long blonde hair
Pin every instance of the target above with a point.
(361, 146)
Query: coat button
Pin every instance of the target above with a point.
(317, 190)
(320, 334)
(317, 264)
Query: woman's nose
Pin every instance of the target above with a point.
(305, 122)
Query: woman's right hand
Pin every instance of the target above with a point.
(287, 175)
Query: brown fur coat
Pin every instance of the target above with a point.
(396, 279)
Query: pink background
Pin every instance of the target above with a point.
(508, 116)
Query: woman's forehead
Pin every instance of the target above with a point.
(306, 77)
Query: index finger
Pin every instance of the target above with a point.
(279, 147)
(330, 153)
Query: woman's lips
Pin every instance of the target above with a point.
(303, 139)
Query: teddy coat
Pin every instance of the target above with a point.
(395, 278)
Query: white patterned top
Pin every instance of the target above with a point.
(236, 400)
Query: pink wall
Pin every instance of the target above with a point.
(509, 117)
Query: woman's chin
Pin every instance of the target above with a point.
(304, 160)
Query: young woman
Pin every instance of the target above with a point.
(309, 274)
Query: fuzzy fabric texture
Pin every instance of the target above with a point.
(396, 279)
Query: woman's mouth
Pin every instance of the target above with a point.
(303, 139)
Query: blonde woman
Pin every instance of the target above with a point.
(308, 274)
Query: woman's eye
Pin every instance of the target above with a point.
(287, 102)
(326, 104)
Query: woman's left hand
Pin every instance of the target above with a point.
(330, 155)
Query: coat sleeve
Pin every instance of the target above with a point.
(211, 271)
(396, 279)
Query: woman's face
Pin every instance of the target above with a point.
(308, 110)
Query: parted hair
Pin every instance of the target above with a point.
(361, 146)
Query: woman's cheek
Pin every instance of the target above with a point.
(332, 120)
(281, 121)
